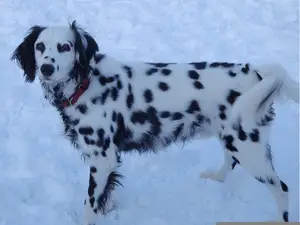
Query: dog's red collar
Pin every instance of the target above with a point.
(76, 95)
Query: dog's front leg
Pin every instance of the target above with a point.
(103, 178)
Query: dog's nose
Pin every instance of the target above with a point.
(47, 69)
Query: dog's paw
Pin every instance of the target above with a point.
(213, 175)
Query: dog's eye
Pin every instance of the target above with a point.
(63, 48)
(40, 47)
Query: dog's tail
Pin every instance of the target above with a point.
(254, 103)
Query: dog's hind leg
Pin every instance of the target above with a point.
(220, 175)
(103, 178)
(252, 151)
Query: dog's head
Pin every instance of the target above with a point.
(55, 53)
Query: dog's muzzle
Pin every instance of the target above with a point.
(47, 69)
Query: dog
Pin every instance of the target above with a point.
(110, 107)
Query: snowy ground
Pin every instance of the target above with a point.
(43, 180)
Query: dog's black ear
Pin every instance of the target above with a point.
(24, 53)
(85, 47)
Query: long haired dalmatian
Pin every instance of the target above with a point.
(109, 107)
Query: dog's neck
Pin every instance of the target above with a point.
(57, 92)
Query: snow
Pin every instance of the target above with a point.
(44, 181)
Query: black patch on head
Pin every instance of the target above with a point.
(198, 85)
(232, 74)
(199, 65)
(228, 139)
(165, 114)
(193, 74)
(24, 53)
(82, 66)
(193, 107)
(284, 187)
(128, 71)
(130, 97)
(163, 86)
(148, 96)
(177, 116)
(166, 72)
(254, 135)
(86, 130)
(82, 108)
(232, 96)
(151, 71)
(245, 69)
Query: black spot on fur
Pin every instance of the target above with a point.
(114, 93)
(222, 64)
(130, 97)
(284, 187)
(86, 130)
(100, 134)
(254, 136)
(232, 96)
(235, 161)
(258, 76)
(166, 72)
(104, 96)
(260, 179)
(122, 132)
(119, 85)
(151, 71)
(245, 69)
(241, 133)
(148, 96)
(93, 169)
(229, 143)
(199, 65)
(271, 181)
(106, 144)
(104, 80)
(163, 86)
(128, 71)
(92, 185)
(285, 216)
(96, 72)
(139, 117)
(82, 108)
(193, 74)
(112, 129)
(177, 116)
(198, 85)
(193, 107)
(103, 153)
(160, 65)
(222, 114)
(165, 114)
(114, 116)
(232, 74)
